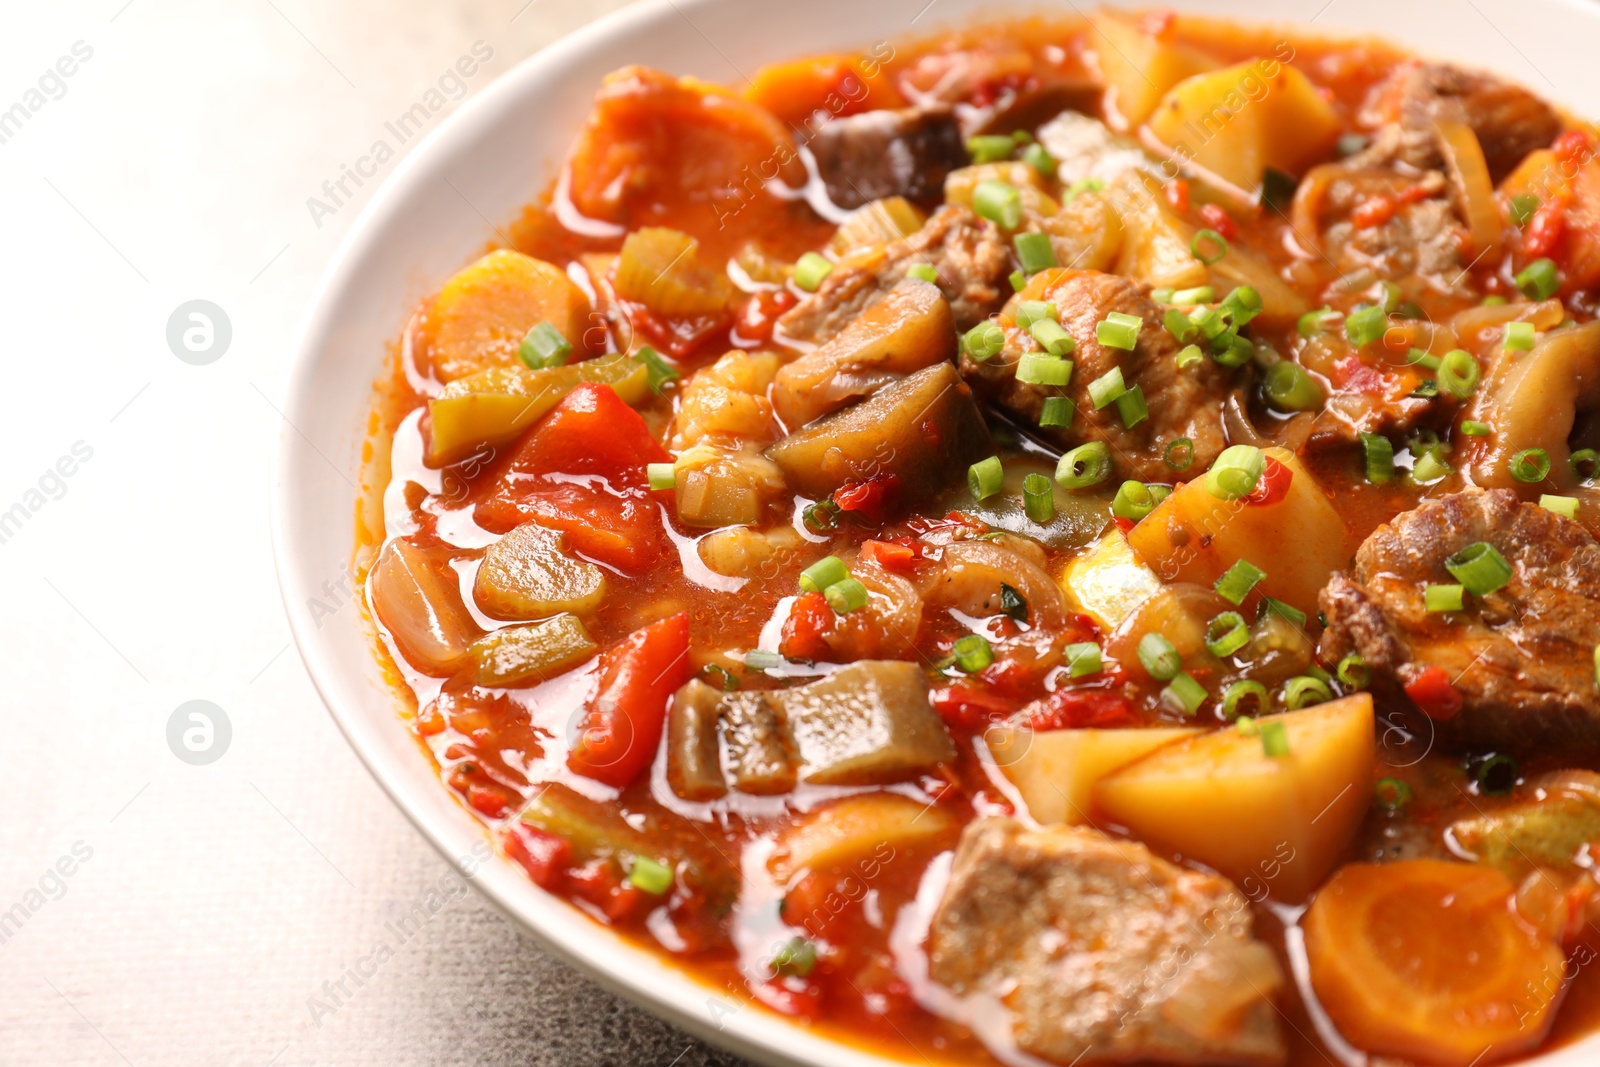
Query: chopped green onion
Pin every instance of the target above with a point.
(984, 341)
(1493, 300)
(1032, 311)
(1035, 156)
(998, 202)
(720, 676)
(1418, 357)
(990, 148)
(1083, 659)
(1200, 294)
(1012, 604)
(1274, 740)
(1237, 581)
(1274, 606)
(1392, 794)
(1133, 501)
(1304, 690)
(1022, 137)
(1523, 207)
(544, 346)
(1038, 498)
(797, 959)
(1290, 387)
(1185, 693)
(1565, 506)
(653, 877)
(1052, 337)
(1539, 280)
(1519, 336)
(1480, 568)
(1088, 464)
(1438, 598)
(1365, 325)
(1377, 454)
(821, 516)
(1426, 391)
(1227, 634)
(661, 475)
(1158, 657)
(1041, 368)
(1459, 373)
(823, 573)
(1179, 454)
(1236, 472)
(1179, 325)
(1495, 774)
(660, 371)
(1313, 323)
(1212, 238)
(1429, 468)
(1132, 408)
(973, 653)
(1241, 305)
(1117, 330)
(1350, 144)
(1584, 459)
(1057, 411)
(1082, 185)
(759, 659)
(985, 478)
(1163, 295)
(810, 269)
(1352, 672)
(1391, 297)
(1189, 355)
(1106, 388)
(1034, 252)
(1209, 321)
(1018, 280)
(1247, 726)
(1239, 692)
(1530, 465)
(1231, 350)
(923, 272)
(1472, 428)
(847, 595)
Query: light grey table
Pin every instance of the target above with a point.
(152, 912)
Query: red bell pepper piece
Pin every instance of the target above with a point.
(1433, 692)
(581, 469)
(1072, 709)
(620, 730)
(810, 619)
(1274, 483)
(544, 855)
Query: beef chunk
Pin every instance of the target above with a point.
(1510, 121)
(879, 154)
(1103, 951)
(967, 252)
(1183, 403)
(1522, 657)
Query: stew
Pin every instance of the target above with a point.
(1065, 541)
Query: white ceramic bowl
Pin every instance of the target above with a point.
(496, 154)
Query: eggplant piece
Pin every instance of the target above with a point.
(924, 429)
(761, 758)
(869, 723)
(536, 652)
(525, 575)
(909, 329)
(879, 154)
(694, 756)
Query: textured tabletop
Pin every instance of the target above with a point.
(249, 911)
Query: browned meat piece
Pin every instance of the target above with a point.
(879, 154)
(1420, 236)
(1510, 121)
(1104, 952)
(1522, 657)
(967, 252)
(1184, 403)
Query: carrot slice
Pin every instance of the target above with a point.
(1427, 960)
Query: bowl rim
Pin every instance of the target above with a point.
(630, 970)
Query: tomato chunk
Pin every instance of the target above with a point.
(543, 855)
(620, 730)
(582, 470)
